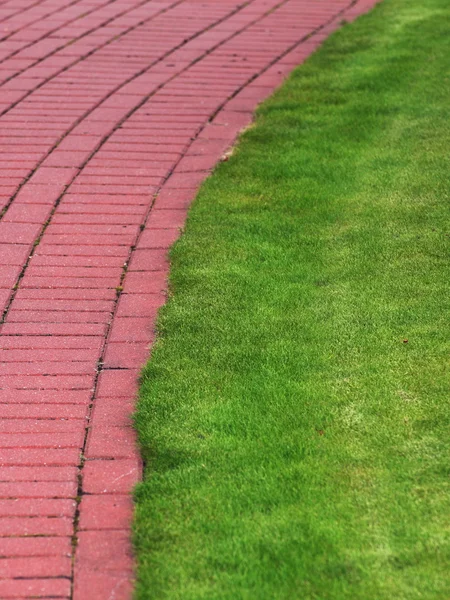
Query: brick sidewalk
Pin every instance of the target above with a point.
(112, 114)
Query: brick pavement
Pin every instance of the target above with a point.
(112, 112)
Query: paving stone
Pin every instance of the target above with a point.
(125, 355)
(133, 329)
(35, 474)
(112, 476)
(149, 260)
(37, 507)
(106, 512)
(36, 546)
(115, 412)
(104, 550)
(35, 588)
(35, 566)
(95, 584)
(110, 442)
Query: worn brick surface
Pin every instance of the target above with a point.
(104, 142)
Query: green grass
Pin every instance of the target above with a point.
(294, 417)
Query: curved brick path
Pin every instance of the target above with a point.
(112, 113)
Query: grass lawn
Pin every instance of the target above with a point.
(294, 417)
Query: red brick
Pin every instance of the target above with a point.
(73, 271)
(88, 239)
(149, 260)
(139, 305)
(98, 200)
(103, 209)
(79, 143)
(126, 355)
(99, 218)
(112, 476)
(33, 567)
(42, 411)
(112, 189)
(72, 439)
(167, 219)
(31, 526)
(13, 254)
(88, 262)
(104, 551)
(27, 213)
(36, 395)
(4, 299)
(19, 348)
(66, 158)
(36, 546)
(132, 330)
(113, 412)
(9, 276)
(158, 238)
(47, 368)
(202, 147)
(66, 294)
(53, 176)
(106, 441)
(241, 120)
(117, 383)
(106, 512)
(96, 584)
(32, 281)
(42, 355)
(84, 329)
(39, 193)
(35, 588)
(185, 180)
(43, 489)
(46, 474)
(102, 229)
(153, 282)
(38, 426)
(46, 382)
(39, 457)
(37, 507)
(49, 248)
(195, 163)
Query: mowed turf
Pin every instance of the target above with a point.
(294, 416)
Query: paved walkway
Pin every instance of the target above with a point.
(112, 113)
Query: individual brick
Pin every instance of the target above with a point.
(110, 442)
(35, 588)
(111, 476)
(106, 512)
